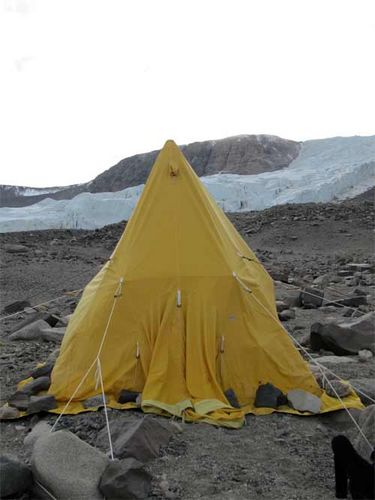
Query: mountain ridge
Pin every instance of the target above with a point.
(241, 154)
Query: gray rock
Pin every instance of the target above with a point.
(15, 477)
(14, 248)
(19, 400)
(53, 334)
(142, 440)
(269, 396)
(67, 466)
(13, 307)
(40, 429)
(117, 427)
(312, 298)
(126, 396)
(37, 385)
(281, 306)
(335, 360)
(366, 422)
(8, 413)
(41, 403)
(125, 479)
(364, 355)
(95, 401)
(32, 331)
(232, 398)
(359, 266)
(355, 300)
(367, 388)
(344, 338)
(42, 371)
(304, 401)
(337, 388)
(53, 357)
(287, 314)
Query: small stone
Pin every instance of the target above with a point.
(125, 479)
(287, 314)
(281, 306)
(126, 396)
(337, 388)
(304, 401)
(95, 401)
(364, 355)
(41, 403)
(336, 360)
(269, 396)
(365, 388)
(53, 357)
(19, 400)
(42, 370)
(232, 398)
(8, 413)
(312, 298)
(37, 385)
(14, 307)
(10, 248)
(15, 477)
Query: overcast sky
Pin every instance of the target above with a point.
(85, 83)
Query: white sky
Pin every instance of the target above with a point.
(85, 83)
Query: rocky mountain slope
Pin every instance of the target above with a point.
(245, 154)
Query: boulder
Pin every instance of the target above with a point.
(32, 331)
(344, 338)
(126, 396)
(13, 307)
(36, 385)
(67, 466)
(142, 440)
(269, 396)
(95, 401)
(19, 400)
(304, 401)
(290, 297)
(8, 413)
(287, 314)
(15, 477)
(366, 422)
(337, 388)
(41, 403)
(117, 427)
(40, 429)
(311, 298)
(232, 398)
(367, 388)
(125, 479)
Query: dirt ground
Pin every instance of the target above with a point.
(272, 457)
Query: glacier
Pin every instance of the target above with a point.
(325, 170)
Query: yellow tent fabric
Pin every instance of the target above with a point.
(181, 312)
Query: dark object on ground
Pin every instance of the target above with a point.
(269, 396)
(351, 470)
(14, 307)
(125, 479)
(15, 477)
(126, 396)
(232, 398)
(312, 298)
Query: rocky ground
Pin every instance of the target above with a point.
(272, 457)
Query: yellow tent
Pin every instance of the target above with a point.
(181, 312)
